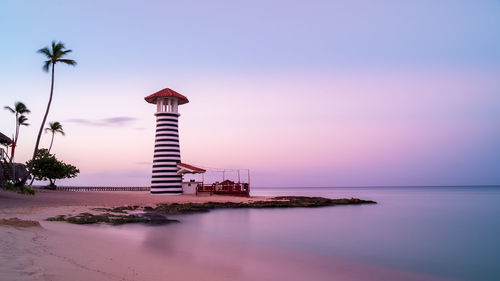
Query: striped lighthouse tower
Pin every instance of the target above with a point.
(167, 154)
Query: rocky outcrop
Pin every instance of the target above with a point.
(88, 218)
(16, 222)
(157, 215)
(277, 202)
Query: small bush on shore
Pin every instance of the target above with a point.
(48, 167)
(28, 190)
(22, 190)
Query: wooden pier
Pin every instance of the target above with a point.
(103, 188)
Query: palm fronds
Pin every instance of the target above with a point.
(54, 55)
(55, 127)
(21, 120)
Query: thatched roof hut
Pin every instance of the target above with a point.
(5, 140)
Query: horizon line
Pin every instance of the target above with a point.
(267, 187)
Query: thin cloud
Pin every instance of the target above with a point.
(118, 120)
(106, 122)
(81, 121)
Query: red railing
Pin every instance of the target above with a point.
(228, 188)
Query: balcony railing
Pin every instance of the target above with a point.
(4, 156)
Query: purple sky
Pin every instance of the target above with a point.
(304, 93)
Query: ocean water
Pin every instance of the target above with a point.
(446, 232)
(452, 232)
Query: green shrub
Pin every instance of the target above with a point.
(47, 167)
(9, 186)
(22, 190)
(27, 190)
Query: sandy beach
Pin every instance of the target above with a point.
(62, 251)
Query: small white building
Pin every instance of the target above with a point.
(189, 187)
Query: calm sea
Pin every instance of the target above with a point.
(450, 232)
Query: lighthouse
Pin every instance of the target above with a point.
(165, 177)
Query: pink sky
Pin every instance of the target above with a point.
(390, 95)
(359, 128)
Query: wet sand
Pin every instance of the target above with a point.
(50, 198)
(61, 251)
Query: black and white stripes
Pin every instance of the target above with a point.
(165, 179)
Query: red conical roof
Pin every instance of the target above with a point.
(166, 93)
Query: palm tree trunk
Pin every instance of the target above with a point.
(15, 137)
(32, 180)
(14, 140)
(30, 169)
(12, 163)
(51, 141)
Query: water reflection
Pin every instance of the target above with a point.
(439, 231)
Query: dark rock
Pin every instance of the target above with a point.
(277, 202)
(16, 222)
(88, 218)
(121, 210)
(155, 219)
(57, 218)
(156, 216)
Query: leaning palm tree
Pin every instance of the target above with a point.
(54, 55)
(54, 127)
(19, 109)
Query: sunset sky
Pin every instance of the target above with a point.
(303, 93)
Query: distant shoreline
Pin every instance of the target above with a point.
(297, 187)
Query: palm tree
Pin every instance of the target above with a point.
(54, 55)
(54, 127)
(22, 121)
(19, 109)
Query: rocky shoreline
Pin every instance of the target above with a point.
(158, 214)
